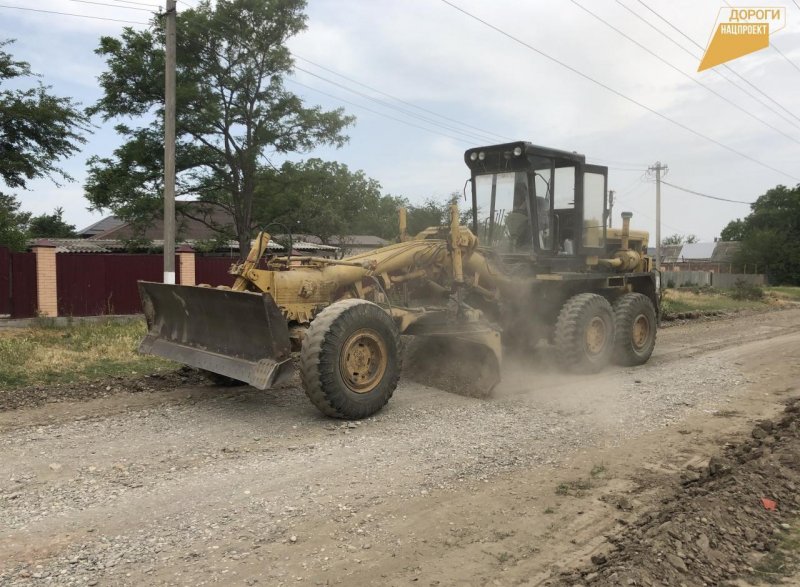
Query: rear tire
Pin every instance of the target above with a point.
(635, 336)
(584, 333)
(350, 360)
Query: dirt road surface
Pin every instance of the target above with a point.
(202, 485)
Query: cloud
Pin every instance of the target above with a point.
(426, 53)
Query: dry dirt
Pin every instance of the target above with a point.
(553, 480)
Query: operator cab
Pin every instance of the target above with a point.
(530, 200)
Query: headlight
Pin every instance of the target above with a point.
(517, 151)
(481, 155)
(473, 156)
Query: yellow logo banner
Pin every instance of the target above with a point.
(740, 31)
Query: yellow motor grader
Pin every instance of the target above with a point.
(538, 262)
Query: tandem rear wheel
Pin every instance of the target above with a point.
(590, 333)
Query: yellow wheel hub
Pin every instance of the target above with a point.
(596, 336)
(363, 360)
(641, 331)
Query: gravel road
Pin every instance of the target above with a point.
(203, 485)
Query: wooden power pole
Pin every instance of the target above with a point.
(169, 145)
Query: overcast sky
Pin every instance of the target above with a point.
(429, 54)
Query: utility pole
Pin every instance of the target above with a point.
(610, 208)
(169, 145)
(658, 168)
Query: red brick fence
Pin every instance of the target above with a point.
(48, 283)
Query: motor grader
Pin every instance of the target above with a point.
(537, 263)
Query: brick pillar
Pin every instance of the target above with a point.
(46, 290)
(186, 259)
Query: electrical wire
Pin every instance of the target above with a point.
(618, 93)
(381, 92)
(466, 133)
(136, 3)
(702, 195)
(773, 47)
(744, 79)
(71, 14)
(792, 63)
(111, 5)
(683, 73)
(340, 99)
(715, 71)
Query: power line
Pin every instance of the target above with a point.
(684, 74)
(111, 5)
(136, 3)
(688, 191)
(450, 128)
(792, 63)
(363, 85)
(618, 93)
(773, 47)
(71, 14)
(714, 70)
(406, 122)
(628, 165)
(744, 79)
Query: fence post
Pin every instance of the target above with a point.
(186, 258)
(46, 289)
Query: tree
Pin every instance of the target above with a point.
(324, 198)
(233, 110)
(36, 130)
(51, 226)
(13, 223)
(770, 234)
(733, 232)
(678, 239)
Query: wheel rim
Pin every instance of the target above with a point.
(596, 336)
(640, 332)
(363, 360)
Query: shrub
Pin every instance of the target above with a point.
(744, 290)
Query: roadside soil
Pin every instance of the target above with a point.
(551, 480)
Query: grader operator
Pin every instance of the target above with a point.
(538, 263)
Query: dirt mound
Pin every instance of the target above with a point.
(462, 368)
(728, 521)
(37, 395)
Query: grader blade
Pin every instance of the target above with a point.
(240, 335)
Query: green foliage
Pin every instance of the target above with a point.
(744, 290)
(51, 225)
(323, 198)
(770, 235)
(232, 109)
(679, 239)
(13, 223)
(36, 128)
(734, 231)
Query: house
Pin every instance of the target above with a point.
(717, 256)
(196, 224)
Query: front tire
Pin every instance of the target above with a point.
(584, 333)
(350, 360)
(635, 336)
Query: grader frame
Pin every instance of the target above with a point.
(548, 272)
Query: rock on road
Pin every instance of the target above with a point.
(207, 486)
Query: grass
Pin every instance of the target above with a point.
(574, 488)
(786, 292)
(781, 562)
(687, 300)
(81, 351)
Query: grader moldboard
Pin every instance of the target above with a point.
(539, 262)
